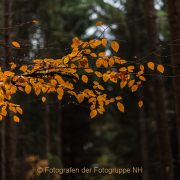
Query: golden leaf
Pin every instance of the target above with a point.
(93, 55)
(16, 119)
(120, 106)
(97, 43)
(88, 70)
(34, 21)
(123, 83)
(142, 78)
(84, 78)
(118, 98)
(105, 63)
(80, 98)
(0, 117)
(98, 23)
(93, 113)
(19, 110)
(130, 68)
(104, 42)
(111, 62)
(101, 54)
(43, 99)
(53, 82)
(141, 67)
(3, 111)
(60, 91)
(134, 88)
(23, 68)
(13, 66)
(150, 65)
(122, 61)
(140, 103)
(131, 83)
(115, 46)
(160, 68)
(16, 44)
(98, 74)
(87, 51)
(105, 77)
(123, 69)
(1, 98)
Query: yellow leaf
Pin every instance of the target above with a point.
(16, 44)
(43, 99)
(123, 69)
(105, 77)
(84, 78)
(60, 91)
(80, 98)
(142, 78)
(150, 65)
(3, 111)
(1, 98)
(122, 61)
(88, 70)
(87, 51)
(130, 68)
(140, 103)
(23, 68)
(53, 82)
(101, 54)
(115, 46)
(120, 106)
(134, 88)
(98, 74)
(123, 83)
(34, 21)
(111, 62)
(19, 110)
(13, 66)
(160, 68)
(104, 42)
(16, 119)
(141, 67)
(131, 83)
(97, 43)
(98, 23)
(93, 113)
(93, 55)
(118, 98)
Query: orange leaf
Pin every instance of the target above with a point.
(104, 42)
(93, 55)
(131, 83)
(34, 21)
(98, 23)
(16, 44)
(23, 68)
(120, 106)
(150, 65)
(134, 88)
(140, 103)
(111, 62)
(101, 54)
(93, 113)
(115, 46)
(160, 68)
(19, 110)
(43, 99)
(142, 78)
(16, 119)
(84, 78)
(123, 83)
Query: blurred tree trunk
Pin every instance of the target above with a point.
(60, 132)
(7, 124)
(174, 25)
(48, 134)
(166, 162)
(142, 119)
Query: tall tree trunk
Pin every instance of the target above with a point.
(48, 137)
(142, 119)
(60, 132)
(174, 24)
(166, 162)
(7, 129)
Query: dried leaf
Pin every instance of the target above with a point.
(98, 23)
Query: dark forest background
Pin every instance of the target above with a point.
(61, 134)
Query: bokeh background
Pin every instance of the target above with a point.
(61, 134)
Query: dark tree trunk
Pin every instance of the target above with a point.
(7, 124)
(174, 24)
(166, 162)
